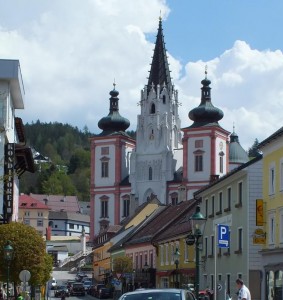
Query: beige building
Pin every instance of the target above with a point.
(34, 213)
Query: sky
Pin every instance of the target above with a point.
(72, 51)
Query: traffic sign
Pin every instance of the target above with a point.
(223, 236)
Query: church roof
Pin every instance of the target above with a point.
(159, 72)
(114, 123)
(237, 154)
(205, 114)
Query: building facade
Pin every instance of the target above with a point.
(15, 157)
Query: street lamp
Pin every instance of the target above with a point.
(197, 219)
(146, 267)
(8, 256)
(176, 260)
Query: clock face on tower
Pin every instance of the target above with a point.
(221, 145)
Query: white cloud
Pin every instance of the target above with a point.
(71, 52)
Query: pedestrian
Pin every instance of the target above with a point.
(243, 291)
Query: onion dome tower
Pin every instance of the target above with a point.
(114, 123)
(237, 154)
(205, 114)
(205, 143)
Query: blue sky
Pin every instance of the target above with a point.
(70, 51)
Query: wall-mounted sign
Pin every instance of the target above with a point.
(259, 236)
(259, 212)
(9, 181)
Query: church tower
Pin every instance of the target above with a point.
(110, 166)
(205, 142)
(158, 150)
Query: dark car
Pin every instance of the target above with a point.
(96, 288)
(104, 293)
(81, 276)
(61, 290)
(159, 294)
(77, 289)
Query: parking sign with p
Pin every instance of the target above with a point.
(223, 236)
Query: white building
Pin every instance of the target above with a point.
(15, 157)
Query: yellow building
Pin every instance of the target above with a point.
(272, 210)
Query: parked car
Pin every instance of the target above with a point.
(80, 277)
(53, 283)
(96, 288)
(77, 289)
(61, 290)
(159, 294)
(87, 284)
(69, 283)
(104, 293)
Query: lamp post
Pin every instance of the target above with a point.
(176, 260)
(197, 219)
(146, 267)
(8, 256)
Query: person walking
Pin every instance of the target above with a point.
(243, 292)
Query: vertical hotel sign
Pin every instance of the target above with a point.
(9, 181)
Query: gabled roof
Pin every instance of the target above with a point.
(27, 202)
(160, 222)
(64, 215)
(59, 202)
(272, 137)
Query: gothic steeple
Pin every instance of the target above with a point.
(114, 123)
(205, 113)
(159, 72)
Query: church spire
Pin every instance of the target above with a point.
(159, 72)
(114, 123)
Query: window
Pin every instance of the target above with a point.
(272, 180)
(221, 163)
(40, 222)
(212, 207)
(212, 246)
(164, 282)
(26, 213)
(161, 255)
(104, 169)
(166, 254)
(228, 283)
(240, 241)
(104, 208)
(40, 214)
(198, 163)
(281, 174)
(104, 150)
(229, 194)
(240, 194)
(164, 99)
(174, 198)
(152, 109)
(206, 208)
(141, 264)
(205, 246)
(219, 203)
(281, 226)
(71, 226)
(271, 223)
(198, 143)
(186, 254)
(27, 221)
(150, 173)
(126, 207)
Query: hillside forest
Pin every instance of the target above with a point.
(68, 150)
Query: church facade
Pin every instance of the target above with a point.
(165, 160)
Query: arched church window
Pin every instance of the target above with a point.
(164, 99)
(152, 109)
(150, 173)
(174, 198)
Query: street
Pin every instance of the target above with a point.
(62, 277)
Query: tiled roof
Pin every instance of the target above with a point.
(59, 202)
(166, 217)
(64, 215)
(26, 201)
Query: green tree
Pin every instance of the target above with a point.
(29, 254)
(253, 150)
(123, 264)
(58, 184)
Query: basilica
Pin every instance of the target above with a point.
(167, 161)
